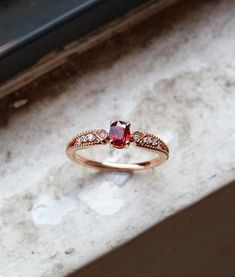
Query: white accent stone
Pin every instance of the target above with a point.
(102, 134)
(155, 142)
(137, 136)
(147, 140)
(90, 137)
(82, 139)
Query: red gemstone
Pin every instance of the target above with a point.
(119, 134)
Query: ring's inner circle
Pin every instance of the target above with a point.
(123, 160)
(107, 154)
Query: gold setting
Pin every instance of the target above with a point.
(97, 137)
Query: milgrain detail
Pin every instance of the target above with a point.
(101, 137)
(150, 141)
(89, 138)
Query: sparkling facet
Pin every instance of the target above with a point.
(155, 142)
(81, 139)
(147, 140)
(137, 136)
(90, 137)
(102, 134)
(119, 134)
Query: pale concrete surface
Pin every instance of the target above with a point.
(56, 216)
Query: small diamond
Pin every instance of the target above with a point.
(137, 136)
(103, 134)
(147, 140)
(81, 139)
(155, 142)
(90, 137)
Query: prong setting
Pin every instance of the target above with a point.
(127, 144)
(110, 143)
(119, 137)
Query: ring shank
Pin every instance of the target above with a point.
(72, 152)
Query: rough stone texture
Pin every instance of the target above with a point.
(177, 76)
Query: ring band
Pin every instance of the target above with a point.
(119, 137)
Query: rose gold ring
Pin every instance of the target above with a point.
(120, 137)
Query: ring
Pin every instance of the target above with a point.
(119, 136)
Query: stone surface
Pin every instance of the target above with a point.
(177, 80)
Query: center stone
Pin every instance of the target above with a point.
(119, 134)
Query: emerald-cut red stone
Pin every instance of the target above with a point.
(119, 134)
